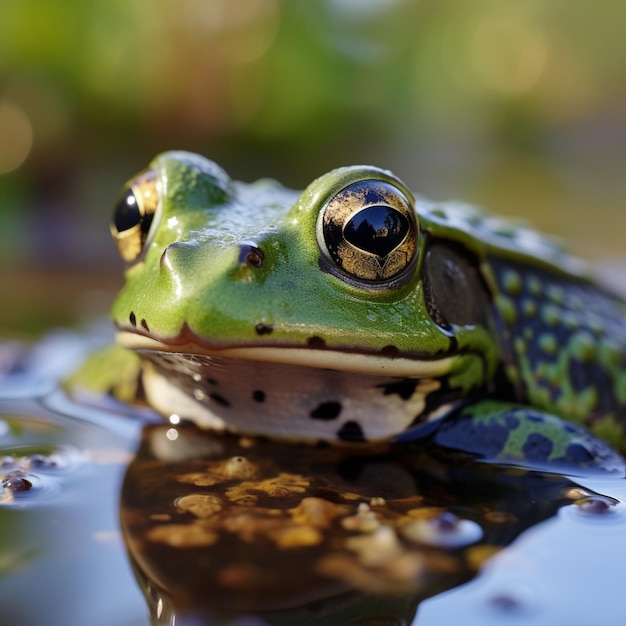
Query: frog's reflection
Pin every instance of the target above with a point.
(221, 527)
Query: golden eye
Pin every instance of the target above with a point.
(367, 233)
(133, 215)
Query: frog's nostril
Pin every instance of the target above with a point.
(250, 255)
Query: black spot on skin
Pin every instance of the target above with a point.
(351, 431)
(316, 342)
(263, 329)
(583, 375)
(578, 456)
(537, 447)
(219, 399)
(211, 381)
(144, 325)
(512, 422)
(390, 351)
(462, 432)
(258, 396)
(326, 411)
(579, 374)
(404, 388)
(132, 319)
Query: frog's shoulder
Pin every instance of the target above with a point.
(487, 235)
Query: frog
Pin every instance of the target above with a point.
(357, 311)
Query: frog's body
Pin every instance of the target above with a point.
(353, 311)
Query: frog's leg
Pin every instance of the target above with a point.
(113, 371)
(518, 435)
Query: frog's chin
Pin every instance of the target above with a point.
(298, 402)
(362, 362)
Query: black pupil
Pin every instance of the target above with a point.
(377, 229)
(126, 212)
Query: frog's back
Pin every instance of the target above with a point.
(562, 337)
(563, 341)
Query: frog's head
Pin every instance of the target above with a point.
(330, 314)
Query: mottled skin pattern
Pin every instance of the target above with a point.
(563, 343)
(356, 311)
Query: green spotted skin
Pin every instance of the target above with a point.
(563, 344)
(561, 337)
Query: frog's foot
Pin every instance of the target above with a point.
(513, 434)
(112, 372)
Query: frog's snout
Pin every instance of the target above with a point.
(182, 259)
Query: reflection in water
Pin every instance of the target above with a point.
(219, 527)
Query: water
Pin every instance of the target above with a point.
(110, 516)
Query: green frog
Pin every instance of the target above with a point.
(356, 311)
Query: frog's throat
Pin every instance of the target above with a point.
(322, 358)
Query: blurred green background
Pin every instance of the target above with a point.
(517, 105)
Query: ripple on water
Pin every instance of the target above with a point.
(30, 473)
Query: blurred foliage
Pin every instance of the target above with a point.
(515, 105)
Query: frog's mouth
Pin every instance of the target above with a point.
(349, 360)
(295, 393)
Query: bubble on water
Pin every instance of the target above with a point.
(445, 530)
(596, 505)
(596, 509)
(16, 482)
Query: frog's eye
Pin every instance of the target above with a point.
(133, 215)
(367, 233)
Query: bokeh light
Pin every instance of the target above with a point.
(508, 55)
(517, 106)
(16, 136)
